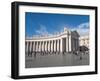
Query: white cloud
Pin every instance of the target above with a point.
(84, 25)
(42, 30)
(82, 29)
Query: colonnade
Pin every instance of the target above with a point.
(59, 45)
(66, 42)
(47, 46)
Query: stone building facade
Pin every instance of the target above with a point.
(84, 41)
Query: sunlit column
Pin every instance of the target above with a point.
(37, 46)
(43, 46)
(58, 45)
(70, 48)
(49, 46)
(46, 46)
(67, 44)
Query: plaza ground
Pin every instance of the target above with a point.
(55, 60)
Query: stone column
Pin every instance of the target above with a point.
(75, 44)
(33, 46)
(45, 45)
(49, 46)
(70, 40)
(37, 46)
(61, 49)
(72, 44)
(27, 46)
(42, 45)
(54, 45)
(30, 46)
(58, 45)
(67, 44)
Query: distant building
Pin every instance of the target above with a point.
(84, 41)
(65, 41)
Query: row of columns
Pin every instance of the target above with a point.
(47, 46)
(53, 45)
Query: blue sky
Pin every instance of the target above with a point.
(47, 23)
